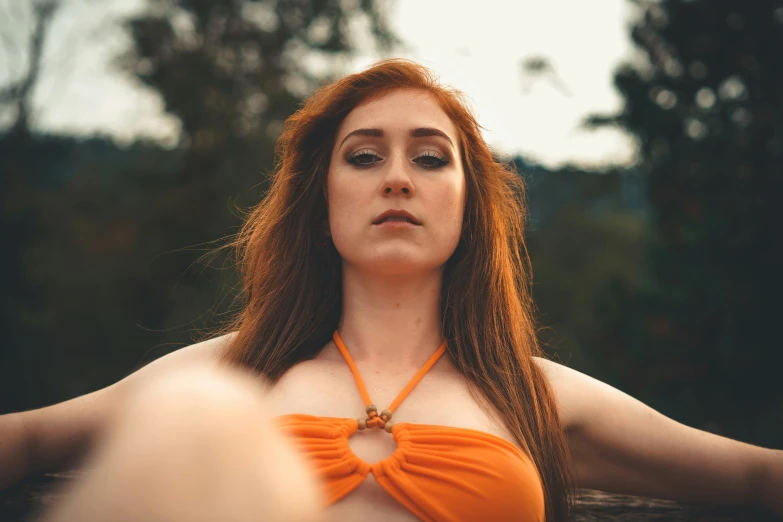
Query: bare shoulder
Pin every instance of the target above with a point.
(582, 399)
(569, 387)
(204, 352)
(557, 374)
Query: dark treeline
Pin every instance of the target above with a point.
(661, 279)
(700, 336)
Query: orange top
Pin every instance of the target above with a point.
(439, 473)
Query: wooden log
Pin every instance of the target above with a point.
(26, 499)
(597, 506)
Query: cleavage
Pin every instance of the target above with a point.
(372, 445)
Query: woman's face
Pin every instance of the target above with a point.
(396, 152)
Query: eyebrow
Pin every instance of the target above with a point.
(421, 132)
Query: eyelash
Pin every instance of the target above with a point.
(442, 160)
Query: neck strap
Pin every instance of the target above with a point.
(405, 391)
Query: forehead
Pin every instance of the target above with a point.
(401, 109)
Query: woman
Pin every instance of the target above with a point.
(389, 251)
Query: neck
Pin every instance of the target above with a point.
(391, 321)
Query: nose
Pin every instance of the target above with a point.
(397, 179)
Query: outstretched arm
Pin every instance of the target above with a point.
(59, 436)
(620, 445)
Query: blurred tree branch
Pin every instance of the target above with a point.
(19, 93)
(538, 67)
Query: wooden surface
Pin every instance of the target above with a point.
(597, 506)
(20, 502)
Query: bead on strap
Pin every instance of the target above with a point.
(381, 421)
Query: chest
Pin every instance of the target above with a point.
(327, 388)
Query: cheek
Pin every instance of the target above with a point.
(343, 205)
(453, 202)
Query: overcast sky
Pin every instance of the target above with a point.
(476, 46)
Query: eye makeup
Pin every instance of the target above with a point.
(428, 159)
(431, 160)
(363, 158)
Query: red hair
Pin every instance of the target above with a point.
(292, 284)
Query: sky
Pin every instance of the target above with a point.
(478, 47)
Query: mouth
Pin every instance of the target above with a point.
(396, 223)
(396, 217)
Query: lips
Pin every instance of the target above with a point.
(396, 215)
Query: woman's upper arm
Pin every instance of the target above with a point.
(621, 445)
(62, 433)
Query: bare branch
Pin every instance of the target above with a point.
(44, 11)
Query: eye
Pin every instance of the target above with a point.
(363, 158)
(430, 160)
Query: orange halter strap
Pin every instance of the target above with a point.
(373, 419)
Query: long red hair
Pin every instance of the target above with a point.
(292, 277)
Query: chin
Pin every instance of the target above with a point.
(393, 266)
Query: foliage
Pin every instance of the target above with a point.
(705, 104)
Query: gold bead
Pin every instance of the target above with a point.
(362, 424)
(371, 408)
(388, 427)
(388, 413)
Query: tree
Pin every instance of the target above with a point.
(19, 92)
(18, 222)
(707, 109)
